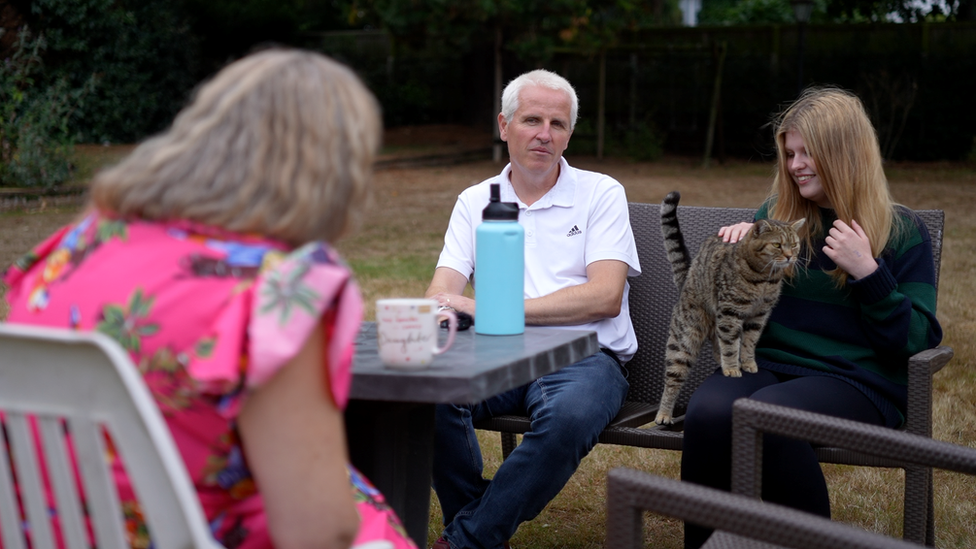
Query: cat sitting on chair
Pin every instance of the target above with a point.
(725, 294)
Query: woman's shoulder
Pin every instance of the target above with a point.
(295, 292)
(763, 211)
(908, 228)
(307, 278)
(305, 272)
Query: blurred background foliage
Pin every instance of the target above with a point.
(35, 134)
(532, 29)
(116, 71)
(140, 52)
(751, 12)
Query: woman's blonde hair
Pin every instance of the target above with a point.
(843, 144)
(280, 143)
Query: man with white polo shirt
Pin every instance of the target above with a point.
(579, 251)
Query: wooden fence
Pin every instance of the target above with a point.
(918, 82)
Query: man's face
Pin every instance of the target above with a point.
(539, 131)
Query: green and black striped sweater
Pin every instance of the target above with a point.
(862, 333)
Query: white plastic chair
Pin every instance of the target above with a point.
(85, 382)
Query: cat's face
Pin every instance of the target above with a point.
(775, 243)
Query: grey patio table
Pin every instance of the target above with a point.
(390, 416)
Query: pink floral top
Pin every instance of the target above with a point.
(207, 315)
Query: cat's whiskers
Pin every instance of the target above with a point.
(774, 264)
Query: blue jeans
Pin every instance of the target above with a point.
(568, 410)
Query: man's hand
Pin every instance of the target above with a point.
(848, 246)
(446, 288)
(457, 302)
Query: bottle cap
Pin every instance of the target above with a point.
(496, 210)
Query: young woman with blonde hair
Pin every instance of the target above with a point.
(206, 255)
(839, 339)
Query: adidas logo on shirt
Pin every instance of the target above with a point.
(574, 231)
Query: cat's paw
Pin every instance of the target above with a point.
(664, 418)
(732, 372)
(750, 367)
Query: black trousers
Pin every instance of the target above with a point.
(791, 472)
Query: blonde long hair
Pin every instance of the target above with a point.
(839, 137)
(280, 143)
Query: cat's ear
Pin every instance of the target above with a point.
(761, 226)
(798, 224)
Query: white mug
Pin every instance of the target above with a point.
(407, 330)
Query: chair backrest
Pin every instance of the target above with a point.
(653, 294)
(935, 222)
(81, 384)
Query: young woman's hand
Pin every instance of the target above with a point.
(850, 249)
(734, 233)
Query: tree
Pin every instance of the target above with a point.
(229, 29)
(746, 12)
(532, 29)
(742, 12)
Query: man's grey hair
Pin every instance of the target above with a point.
(544, 79)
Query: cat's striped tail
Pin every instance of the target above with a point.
(674, 242)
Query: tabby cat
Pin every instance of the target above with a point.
(726, 294)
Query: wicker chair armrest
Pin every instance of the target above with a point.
(630, 492)
(921, 367)
(935, 358)
(750, 419)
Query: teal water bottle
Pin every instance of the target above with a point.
(499, 269)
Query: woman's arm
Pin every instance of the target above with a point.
(294, 440)
(898, 300)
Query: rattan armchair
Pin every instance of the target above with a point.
(740, 519)
(740, 522)
(751, 419)
(652, 297)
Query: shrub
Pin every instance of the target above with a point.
(35, 142)
(144, 55)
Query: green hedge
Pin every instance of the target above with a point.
(141, 53)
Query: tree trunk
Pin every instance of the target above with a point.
(601, 119)
(496, 149)
(720, 50)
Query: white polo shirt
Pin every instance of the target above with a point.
(582, 219)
